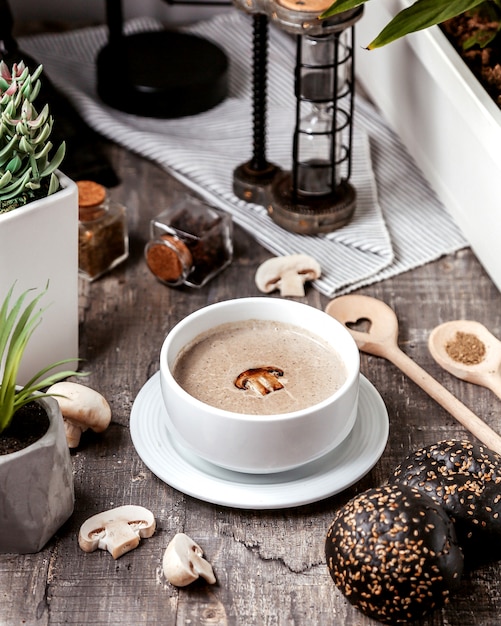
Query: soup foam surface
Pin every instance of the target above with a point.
(303, 366)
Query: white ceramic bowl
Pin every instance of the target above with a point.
(260, 443)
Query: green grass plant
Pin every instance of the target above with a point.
(18, 322)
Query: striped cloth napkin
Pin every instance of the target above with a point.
(399, 222)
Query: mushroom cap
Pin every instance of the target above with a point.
(183, 562)
(287, 273)
(262, 380)
(82, 408)
(117, 530)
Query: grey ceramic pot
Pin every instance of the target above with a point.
(36, 488)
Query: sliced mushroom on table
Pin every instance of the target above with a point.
(183, 562)
(117, 530)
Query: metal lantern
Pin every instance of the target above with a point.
(316, 195)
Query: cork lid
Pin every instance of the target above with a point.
(169, 259)
(306, 6)
(90, 194)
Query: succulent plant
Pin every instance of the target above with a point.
(27, 171)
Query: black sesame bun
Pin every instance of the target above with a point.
(465, 479)
(392, 552)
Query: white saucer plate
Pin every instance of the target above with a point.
(317, 480)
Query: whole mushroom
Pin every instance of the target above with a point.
(287, 273)
(81, 408)
(118, 530)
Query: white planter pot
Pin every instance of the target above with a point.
(36, 488)
(39, 243)
(445, 118)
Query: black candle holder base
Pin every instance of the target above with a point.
(254, 185)
(162, 74)
(310, 215)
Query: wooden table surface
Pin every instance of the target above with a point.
(270, 565)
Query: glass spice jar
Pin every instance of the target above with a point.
(190, 243)
(103, 240)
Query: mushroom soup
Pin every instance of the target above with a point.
(259, 367)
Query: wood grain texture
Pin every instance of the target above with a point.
(270, 565)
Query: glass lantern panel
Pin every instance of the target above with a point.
(315, 150)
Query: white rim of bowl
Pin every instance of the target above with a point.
(189, 319)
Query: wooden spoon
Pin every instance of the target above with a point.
(381, 339)
(486, 372)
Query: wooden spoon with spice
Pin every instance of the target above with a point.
(467, 350)
(374, 326)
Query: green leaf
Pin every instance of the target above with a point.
(41, 156)
(12, 347)
(36, 74)
(13, 165)
(21, 128)
(28, 111)
(4, 329)
(37, 382)
(35, 90)
(341, 5)
(56, 161)
(5, 179)
(25, 145)
(40, 119)
(24, 75)
(481, 38)
(9, 148)
(43, 135)
(53, 184)
(11, 108)
(33, 184)
(26, 88)
(422, 14)
(14, 188)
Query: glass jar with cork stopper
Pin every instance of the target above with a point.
(190, 242)
(103, 240)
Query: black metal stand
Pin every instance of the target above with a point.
(251, 180)
(163, 74)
